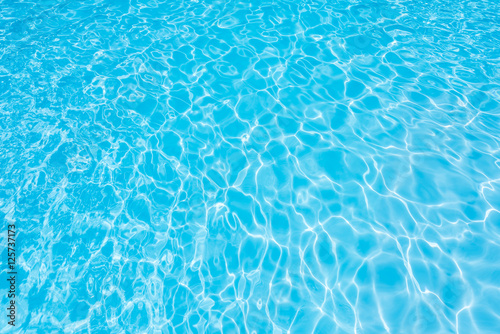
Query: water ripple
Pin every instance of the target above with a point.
(262, 167)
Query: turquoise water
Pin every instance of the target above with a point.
(252, 167)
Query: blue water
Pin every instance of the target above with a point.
(252, 167)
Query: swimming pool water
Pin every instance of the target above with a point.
(253, 166)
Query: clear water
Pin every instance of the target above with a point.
(252, 167)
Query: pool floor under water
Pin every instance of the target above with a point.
(251, 167)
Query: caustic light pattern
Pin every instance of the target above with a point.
(252, 166)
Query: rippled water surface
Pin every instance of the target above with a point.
(252, 167)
